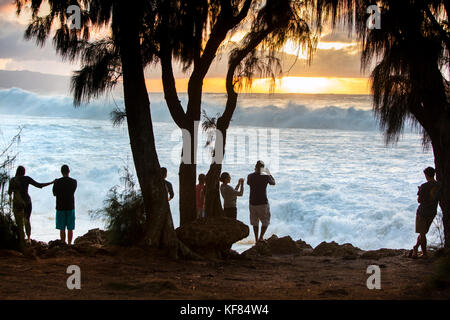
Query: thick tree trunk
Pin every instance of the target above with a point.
(441, 150)
(187, 178)
(160, 231)
(213, 206)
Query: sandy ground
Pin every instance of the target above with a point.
(137, 274)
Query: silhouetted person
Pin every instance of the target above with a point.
(64, 191)
(169, 188)
(200, 196)
(428, 198)
(230, 195)
(22, 205)
(259, 204)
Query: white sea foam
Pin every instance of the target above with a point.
(332, 184)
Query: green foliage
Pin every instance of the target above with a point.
(124, 212)
(9, 234)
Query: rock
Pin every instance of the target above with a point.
(284, 245)
(302, 244)
(274, 246)
(382, 253)
(212, 237)
(332, 249)
(39, 247)
(261, 248)
(94, 236)
(10, 253)
(57, 244)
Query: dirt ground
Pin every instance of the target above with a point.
(137, 274)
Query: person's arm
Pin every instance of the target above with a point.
(271, 180)
(171, 194)
(420, 195)
(54, 189)
(39, 185)
(239, 190)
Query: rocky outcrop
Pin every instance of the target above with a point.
(212, 237)
(383, 253)
(277, 246)
(333, 249)
(93, 237)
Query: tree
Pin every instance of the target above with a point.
(410, 80)
(192, 32)
(124, 55)
(274, 24)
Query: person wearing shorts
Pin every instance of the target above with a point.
(64, 191)
(258, 203)
(22, 205)
(428, 198)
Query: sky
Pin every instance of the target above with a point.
(335, 67)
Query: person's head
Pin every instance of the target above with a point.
(201, 178)
(259, 165)
(429, 173)
(164, 172)
(225, 177)
(20, 172)
(65, 170)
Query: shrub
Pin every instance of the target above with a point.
(9, 233)
(124, 212)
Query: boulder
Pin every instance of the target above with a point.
(382, 253)
(261, 248)
(274, 246)
(284, 245)
(93, 237)
(303, 245)
(57, 244)
(212, 237)
(333, 249)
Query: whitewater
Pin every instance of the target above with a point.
(336, 178)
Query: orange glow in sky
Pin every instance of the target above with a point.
(283, 85)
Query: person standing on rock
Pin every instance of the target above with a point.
(428, 198)
(230, 195)
(64, 191)
(259, 204)
(22, 206)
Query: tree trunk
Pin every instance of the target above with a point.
(441, 150)
(213, 206)
(160, 231)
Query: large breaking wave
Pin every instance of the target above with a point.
(296, 111)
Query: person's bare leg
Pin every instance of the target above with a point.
(69, 236)
(423, 244)
(263, 230)
(416, 247)
(255, 231)
(62, 234)
(28, 229)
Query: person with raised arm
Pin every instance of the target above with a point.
(258, 202)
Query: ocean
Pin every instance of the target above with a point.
(336, 180)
